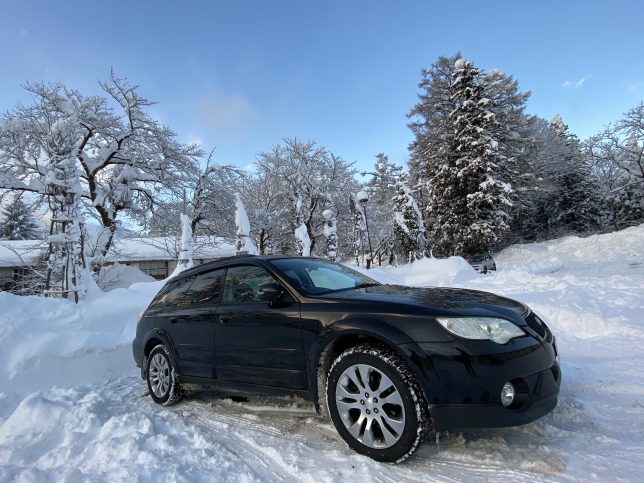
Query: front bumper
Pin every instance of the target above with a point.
(463, 379)
(539, 398)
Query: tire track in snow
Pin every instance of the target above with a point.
(264, 467)
(313, 434)
(240, 443)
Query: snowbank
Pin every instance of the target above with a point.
(425, 272)
(620, 249)
(53, 342)
(118, 275)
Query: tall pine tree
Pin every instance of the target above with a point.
(382, 185)
(468, 201)
(430, 122)
(451, 98)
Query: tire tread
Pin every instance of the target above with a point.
(393, 360)
(175, 393)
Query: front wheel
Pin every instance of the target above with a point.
(376, 403)
(162, 378)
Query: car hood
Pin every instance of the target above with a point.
(436, 301)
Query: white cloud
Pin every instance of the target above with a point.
(576, 84)
(634, 87)
(229, 114)
(192, 139)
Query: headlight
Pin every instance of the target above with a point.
(480, 328)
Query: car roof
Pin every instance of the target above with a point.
(227, 261)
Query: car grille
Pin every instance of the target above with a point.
(536, 324)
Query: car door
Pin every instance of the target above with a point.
(258, 342)
(192, 325)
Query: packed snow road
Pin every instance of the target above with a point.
(590, 291)
(115, 432)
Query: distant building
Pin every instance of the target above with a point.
(154, 256)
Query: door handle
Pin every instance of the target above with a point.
(224, 320)
(173, 320)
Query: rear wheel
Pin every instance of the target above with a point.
(162, 377)
(376, 403)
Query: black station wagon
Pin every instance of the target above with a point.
(388, 363)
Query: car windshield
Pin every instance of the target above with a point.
(315, 277)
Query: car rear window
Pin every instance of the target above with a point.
(172, 294)
(205, 289)
(242, 284)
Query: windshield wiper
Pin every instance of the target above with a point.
(365, 285)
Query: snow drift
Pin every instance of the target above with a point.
(54, 342)
(98, 424)
(620, 249)
(425, 272)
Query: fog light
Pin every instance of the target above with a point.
(507, 394)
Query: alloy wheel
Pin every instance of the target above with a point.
(370, 406)
(159, 374)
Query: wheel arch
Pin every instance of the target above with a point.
(346, 334)
(153, 338)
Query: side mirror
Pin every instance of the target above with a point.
(270, 292)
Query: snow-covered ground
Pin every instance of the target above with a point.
(72, 407)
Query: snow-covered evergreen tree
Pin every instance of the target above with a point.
(507, 103)
(468, 201)
(575, 205)
(382, 184)
(453, 94)
(18, 222)
(535, 181)
(433, 144)
(408, 226)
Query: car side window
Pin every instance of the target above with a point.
(242, 284)
(205, 289)
(172, 294)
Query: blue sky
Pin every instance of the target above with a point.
(242, 75)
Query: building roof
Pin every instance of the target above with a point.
(19, 253)
(167, 248)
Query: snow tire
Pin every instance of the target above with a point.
(382, 360)
(163, 383)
